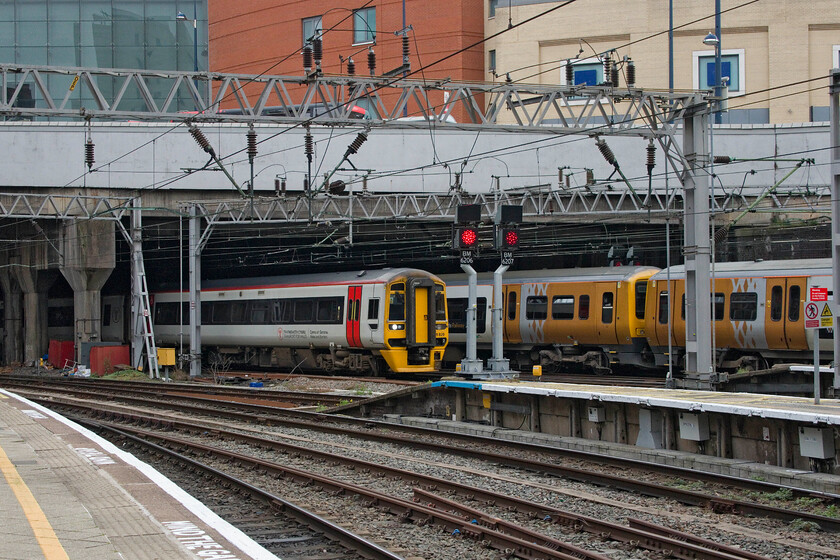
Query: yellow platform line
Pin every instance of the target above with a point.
(44, 533)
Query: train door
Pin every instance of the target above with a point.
(420, 312)
(662, 313)
(354, 305)
(775, 312)
(795, 336)
(605, 310)
(371, 322)
(511, 313)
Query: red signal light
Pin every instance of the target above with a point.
(511, 238)
(467, 238)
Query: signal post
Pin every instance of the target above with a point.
(465, 240)
(506, 241)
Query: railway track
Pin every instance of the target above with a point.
(496, 453)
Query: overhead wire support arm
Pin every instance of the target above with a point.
(202, 141)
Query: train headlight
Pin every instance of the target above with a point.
(396, 326)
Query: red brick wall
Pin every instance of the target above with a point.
(262, 36)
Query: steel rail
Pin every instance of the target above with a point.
(403, 508)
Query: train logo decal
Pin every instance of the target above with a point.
(279, 333)
(749, 334)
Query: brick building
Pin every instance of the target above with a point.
(261, 36)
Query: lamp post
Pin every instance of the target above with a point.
(713, 39)
(183, 17)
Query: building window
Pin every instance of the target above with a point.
(491, 8)
(491, 62)
(835, 56)
(364, 26)
(311, 28)
(732, 68)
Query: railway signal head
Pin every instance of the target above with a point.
(466, 238)
(507, 237)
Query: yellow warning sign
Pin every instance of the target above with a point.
(826, 317)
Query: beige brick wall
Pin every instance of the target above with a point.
(784, 42)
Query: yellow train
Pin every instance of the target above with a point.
(600, 319)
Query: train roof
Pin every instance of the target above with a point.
(379, 276)
(794, 267)
(594, 274)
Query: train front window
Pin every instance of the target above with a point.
(396, 307)
(641, 296)
(440, 304)
(794, 301)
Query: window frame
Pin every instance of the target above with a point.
(563, 310)
(319, 20)
(532, 311)
(738, 304)
(835, 56)
(369, 31)
(742, 70)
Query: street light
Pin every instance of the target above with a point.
(183, 17)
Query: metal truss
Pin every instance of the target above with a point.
(538, 206)
(42, 91)
(63, 207)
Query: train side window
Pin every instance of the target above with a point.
(238, 313)
(663, 308)
(206, 313)
(440, 303)
(280, 310)
(682, 310)
(396, 307)
(259, 312)
(221, 313)
(511, 308)
(607, 308)
(718, 306)
(458, 315)
(563, 307)
(794, 301)
(743, 306)
(641, 296)
(304, 310)
(373, 309)
(536, 308)
(166, 313)
(583, 307)
(329, 311)
(106, 315)
(776, 303)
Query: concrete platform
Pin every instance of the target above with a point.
(66, 493)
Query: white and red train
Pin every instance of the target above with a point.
(363, 322)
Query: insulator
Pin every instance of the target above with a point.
(357, 143)
(317, 51)
(364, 184)
(372, 61)
(308, 148)
(252, 144)
(614, 76)
(590, 177)
(405, 48)
(608, 71)
(570, 73)
(201, 140)
(606, 151)
(631, 74)
(722, 159)
(651, 157)
(89, 153)
(351, 67)
(307, 58)
(560, 176)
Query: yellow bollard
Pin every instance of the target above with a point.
(537, 372)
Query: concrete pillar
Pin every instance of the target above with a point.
(535, 414)
(32, 274)
(13, 323)
(88, 258)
